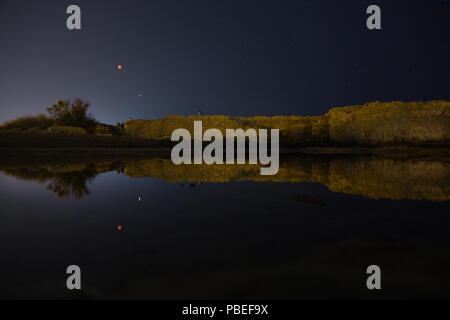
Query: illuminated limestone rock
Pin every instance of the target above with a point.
(66, 130)
(373, 124)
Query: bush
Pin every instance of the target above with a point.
(40, 121)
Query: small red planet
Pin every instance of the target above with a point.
(119, 227)
(119, 67)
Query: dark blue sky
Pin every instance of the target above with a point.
(223, 57)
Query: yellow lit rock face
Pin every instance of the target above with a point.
(102, 129)
(391, 123)
(66, 130)
(376, 123)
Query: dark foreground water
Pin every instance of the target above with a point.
(144, 228)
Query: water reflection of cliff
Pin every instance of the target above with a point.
(370, 176)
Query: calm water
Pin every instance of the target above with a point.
(226, 232)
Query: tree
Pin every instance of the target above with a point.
(60, 112)
(75, 114)
(80, 115)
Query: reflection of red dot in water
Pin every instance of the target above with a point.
(119, 227)
(119, 67)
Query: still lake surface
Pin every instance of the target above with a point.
(145, 228)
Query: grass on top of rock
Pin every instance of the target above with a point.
(40, 121)
(62, 113)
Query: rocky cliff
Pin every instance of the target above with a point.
(372, 124)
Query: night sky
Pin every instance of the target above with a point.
(222, 57)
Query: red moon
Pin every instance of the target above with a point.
(119, 67)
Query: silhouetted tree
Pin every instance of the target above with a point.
(75, 114)
(60, 111)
